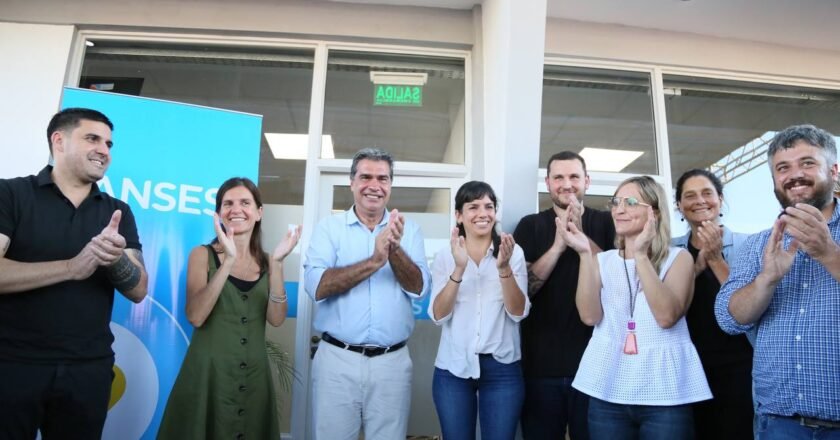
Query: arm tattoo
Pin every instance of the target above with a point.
(137, 254)
(124, 274)
(534, 283)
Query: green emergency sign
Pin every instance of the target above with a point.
(397, 95)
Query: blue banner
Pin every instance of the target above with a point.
(168, 161)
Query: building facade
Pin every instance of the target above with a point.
(489, 91)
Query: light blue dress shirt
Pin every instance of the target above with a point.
(377, 311)
(796, 365)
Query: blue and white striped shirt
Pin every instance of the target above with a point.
(796, 365)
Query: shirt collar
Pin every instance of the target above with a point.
(351, 217)
(44, 178)
(728, 238)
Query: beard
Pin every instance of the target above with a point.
(821, 195)
(560, 201)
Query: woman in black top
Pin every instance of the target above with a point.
(727, 359)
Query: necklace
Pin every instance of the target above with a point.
(630, 346)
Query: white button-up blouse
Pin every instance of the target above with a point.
(479, 322)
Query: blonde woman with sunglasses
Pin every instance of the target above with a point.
(640, 368)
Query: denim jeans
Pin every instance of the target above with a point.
(497, 397)
(771, 427)
(611, 421)
(550, 404)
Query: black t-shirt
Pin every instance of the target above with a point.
(553, 336)
(715, 347)
(67, 321)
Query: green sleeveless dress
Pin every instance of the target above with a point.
(224, 389)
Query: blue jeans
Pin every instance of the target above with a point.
(785, 428)
(497, 397)
(551, 404)
(611, 421)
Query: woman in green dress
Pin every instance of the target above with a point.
(224, 389)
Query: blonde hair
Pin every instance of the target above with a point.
(653, 194)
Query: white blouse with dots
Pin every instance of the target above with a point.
(667, 370)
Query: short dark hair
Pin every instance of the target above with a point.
(565, 155)
(695, 172)
(374, 154)
(808, 133)
(474, 190)
(69, 118)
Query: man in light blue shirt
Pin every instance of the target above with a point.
(786, 283)
(363, 267)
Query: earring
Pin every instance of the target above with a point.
(720, 215)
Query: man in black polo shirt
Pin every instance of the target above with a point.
(553, 336)
(64, 247)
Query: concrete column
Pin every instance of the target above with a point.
(512, 53)
(34, 58)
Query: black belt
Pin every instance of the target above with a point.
(367, 350)
(816, 423)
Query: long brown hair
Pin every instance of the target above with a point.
(255, 245)
(652, 194)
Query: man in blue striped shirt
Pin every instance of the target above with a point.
(786, 282)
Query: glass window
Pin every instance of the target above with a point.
(275, 83)
(605, 115)
(725, 126)
(412, 106)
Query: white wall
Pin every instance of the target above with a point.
(286, 17)
(34, 59)
(623, 43)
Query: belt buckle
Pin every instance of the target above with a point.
(370, 350)
(806, 422)
(810, 422)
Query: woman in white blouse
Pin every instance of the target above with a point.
(640, 368)
(478, 297)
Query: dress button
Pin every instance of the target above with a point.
(244, 320)
(805, 285)
(241, 412)
(797, 337)
(243, 341)
(801, 311)
(244, 297)
(242, 388)
(800, 396)
(243, 365)
(798, 366)
(240, 436)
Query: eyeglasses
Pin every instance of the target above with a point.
(629, 202)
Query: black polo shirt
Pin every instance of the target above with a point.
(553, 336)
(68, 321)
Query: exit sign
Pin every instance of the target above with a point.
(397, 95)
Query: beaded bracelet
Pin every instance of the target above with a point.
(454, 280)
(510, 274)
(277, 299)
